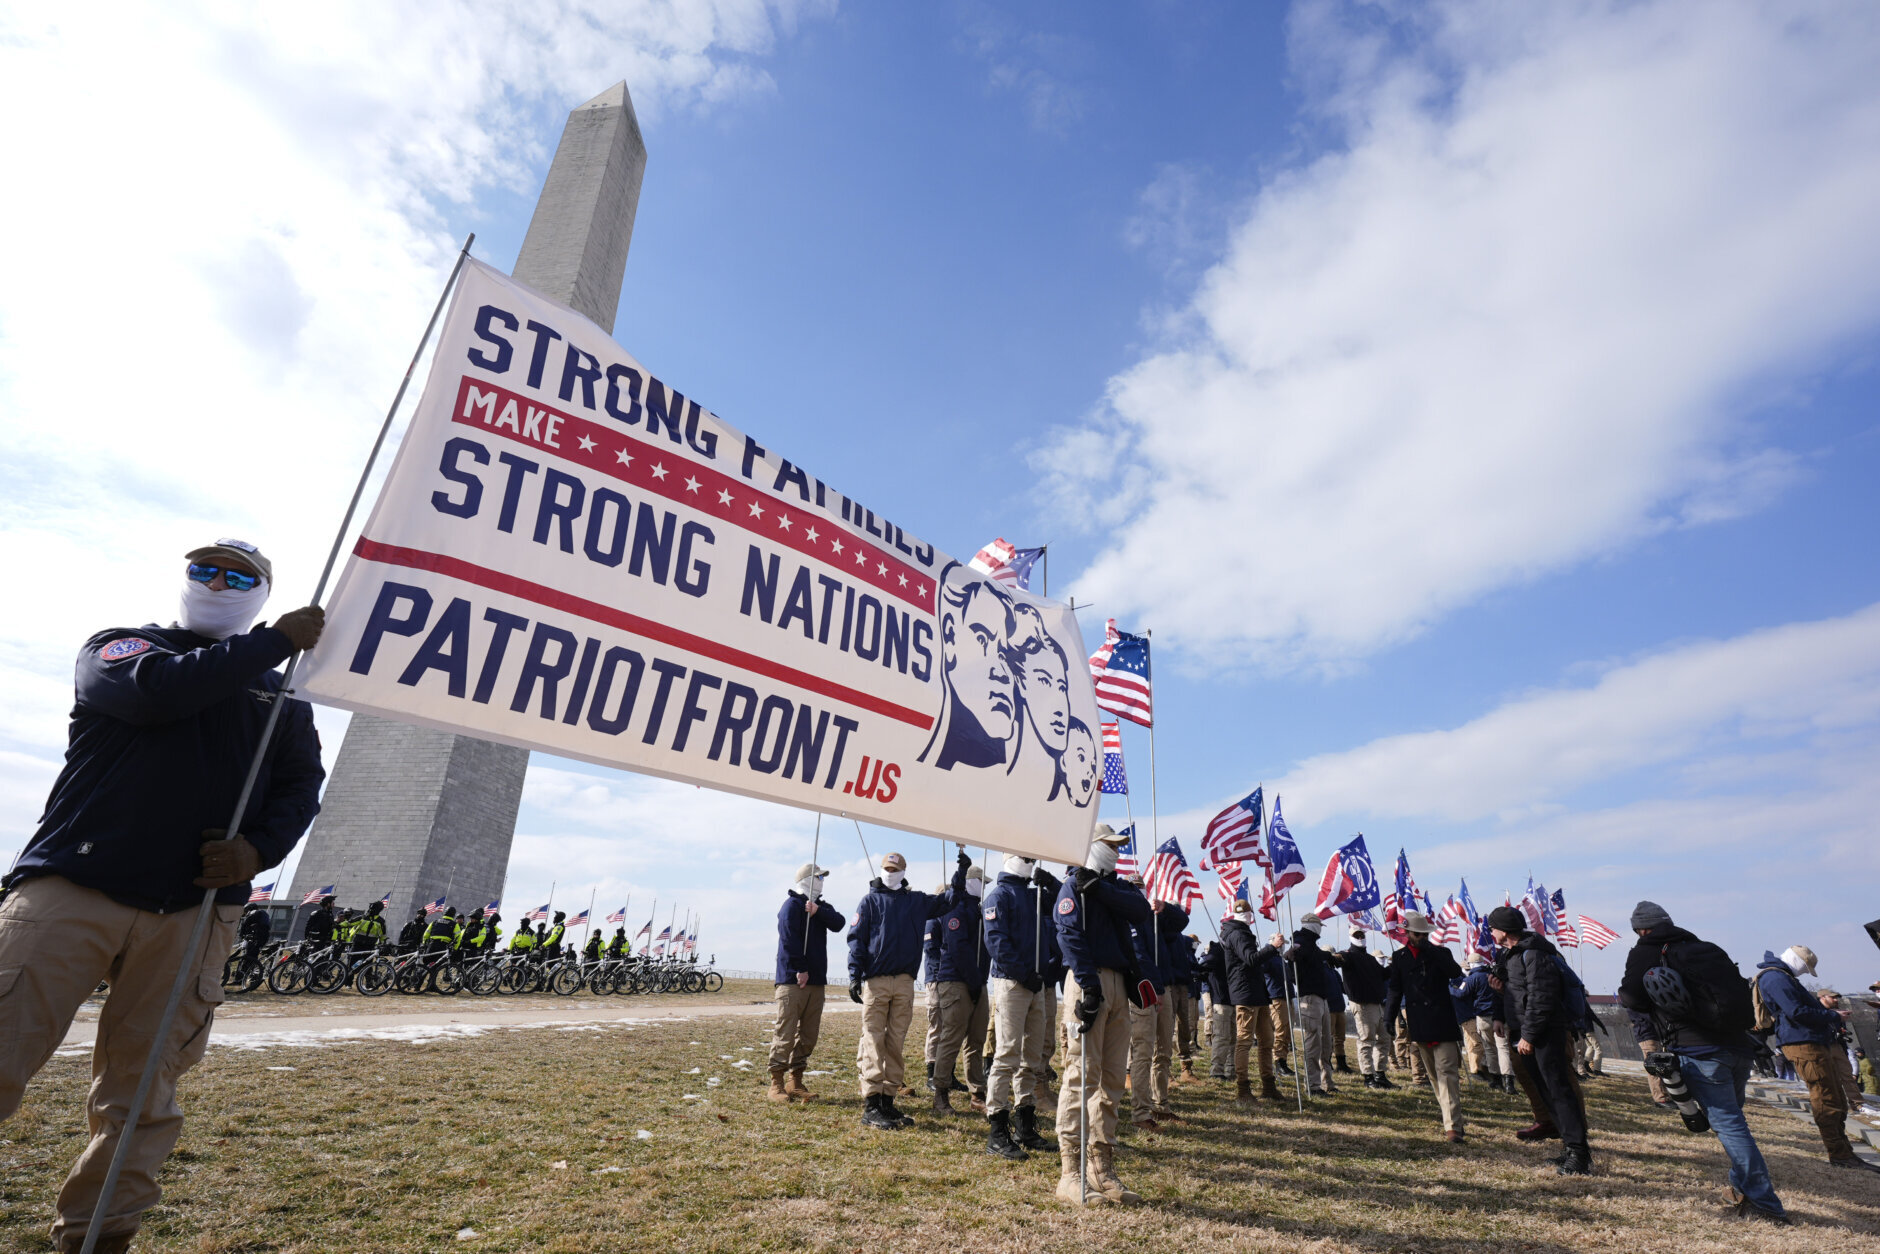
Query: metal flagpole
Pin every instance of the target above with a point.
(869, 857)
(1044, 571)
(450, 882)
(815, 851)
(588, 926)
(1083, 1086)
(200, 933)
(1292, 1013)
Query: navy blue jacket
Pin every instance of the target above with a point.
(1362, 973)
(1214, 969)
(1160, 963)
(1308, 963)
(1021, 948)
(959, 953)
(1800, 1018)
(1246, 963)
(162, 731)
(1334, 991)
(803, 938)
(1186, 968)
(1473, 990)
(1094, 934)
(1273, 970)
(887, 935)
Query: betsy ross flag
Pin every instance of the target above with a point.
(1286, 867)
(262, 894)
(1233, 835)
(316, 894)
(1448, 921)
(1349, 883)
(1126, 852)
(1114, 780)
(1567, 938)
(538, 914)
(435, 907)
(618, 916)
(1120, 670)
(1007, 565)
(1597, 934)
(1167, 877)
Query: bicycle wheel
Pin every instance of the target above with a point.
(374, 977)
(566, 982)
(447, 978)
(483, 978)
(290, 975)
(713, 981)
(233, 977)
(328, 976)
(694, 982)
(411, 977)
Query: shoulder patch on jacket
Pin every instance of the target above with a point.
(953, 925)
(991, 914)
(1066, 906)
(123, 648)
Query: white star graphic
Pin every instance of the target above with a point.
(881, 568)
(625, 458)
(861, 558)
(836, 545)
(810, 535)
(757, 511)
(904, 581)
(783, 520)
(920, 590)
(724, 497)
(659, 472)
(691, 484)
(587, 445)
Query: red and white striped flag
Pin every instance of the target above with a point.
(263, 893)
(1597, 934)
(1567, 938)
(1233, 835)
(316, 894)
(1229, 884)
(1120, 670)
(1167, 877)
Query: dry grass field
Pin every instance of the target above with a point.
(619, 1136)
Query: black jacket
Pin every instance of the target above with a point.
(1535, 1003)
(1213, 967)
(1417, 986)
(1648, 953)
(163, 728)
(1246, 983)
(1364, 976)
(1308, 963)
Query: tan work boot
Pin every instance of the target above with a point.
(1068, 1189)
(777, 1092)
(1269, 1089)
(1243, 1092)
(1103, 1174)
(794, 1087)
(1188, 1071)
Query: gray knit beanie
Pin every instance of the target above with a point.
(1648, 915)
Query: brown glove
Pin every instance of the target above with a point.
(226, 862)
(302, 626)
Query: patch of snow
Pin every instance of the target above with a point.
(643, 1135)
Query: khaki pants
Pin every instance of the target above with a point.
(962, 1029)
(1590, 1052)
(933, 1024)
(1826, 1100)
(1107, 1044)
(1316, 1023)
(1371, 1057)
(1282, 1029)
(1471, 1048)
(799, 1023)
(880, 1056)
(1337, 1019)
(1657, 1087)
(1444, 1063)
(1151, 1045)
(1407, 1056)
(1253, 1024)
(1187, 1012)
(1221, 1033)
(1047, 1040)
(1022, 1024)
(1496, 1052)
(57, 941)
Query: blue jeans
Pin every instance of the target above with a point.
(1717, 1083)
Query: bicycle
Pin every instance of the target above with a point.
(242, 974)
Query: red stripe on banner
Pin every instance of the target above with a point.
(497, 581)
(606, 450)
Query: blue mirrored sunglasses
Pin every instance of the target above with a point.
(238, 580)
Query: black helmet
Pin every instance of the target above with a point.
(327, 900)
(375, 908)
(560, 915)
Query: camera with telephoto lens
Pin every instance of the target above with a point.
(1664, 1065)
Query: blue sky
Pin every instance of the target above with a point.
(1478, 403)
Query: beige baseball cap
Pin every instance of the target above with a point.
(234, 551)
(1105, 834)
(1806, 955)
(893, 862)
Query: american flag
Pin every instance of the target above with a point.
(1006, 564)
(1448, 920)
(1401, 899)
(263, 893)
(1231, 877)
(618, 916)
(1597, 934)
(1367, 919)
(1233, 835)
(1568, 938)
(435, 907)
(664, 936)
(1288, 868)
(1168, 877)
(1121, 671)
(316, 894)
(1531, 907)
(1269, 898)
(1114, 780)
(491, 908)
(645, 931)
(386, 900)
(1126, 852)
(538, 914)
(578, 919)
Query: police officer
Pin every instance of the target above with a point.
(412, 934)
(164, 726)
(804, 923)
(492, 933)
(1023, 978)
(549, 944)
(256, 928)
(524, 940)
(957, 982)
(321, 924)
(441, 935)
(884, 953)
(368, 931)
(1152, 1024)
(619, 946)
(1093, 914)
(592, 951)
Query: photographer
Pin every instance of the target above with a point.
(1694, 1009)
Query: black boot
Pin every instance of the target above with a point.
(1342, 1067)
(942, 1104)
(999, 1137)
(894, 1113)
(1383, 1081)
(1025, 1121)
(1370, 1081)
(1280, 1068)
(1577, 1162)
(875, 1116)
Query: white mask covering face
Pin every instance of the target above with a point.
(811, 887)
(1101, 858)
(892, 879)
(1021, 867)
(1794, 963)
(219, 615)
(976, 888)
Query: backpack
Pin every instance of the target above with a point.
(1718, 998)
(1765, 1017)
(1572, 994)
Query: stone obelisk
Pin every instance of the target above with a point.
(421, 812)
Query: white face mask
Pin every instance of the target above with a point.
(811, 887)
(892, 879)
(1101, 858)
(219, 615)
(976, 888)
(1794, 963)
(1021, 867)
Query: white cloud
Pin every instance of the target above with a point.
(1520, 316)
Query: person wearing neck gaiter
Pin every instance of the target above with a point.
(1021, 950)
(803, 926)
(1094, 912)
(1806, 1031)
(884, 954)
(957, 967)
(164, 727)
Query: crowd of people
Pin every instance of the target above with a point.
(469, 935)
(1092, 971)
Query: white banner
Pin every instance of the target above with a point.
(571, 556)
